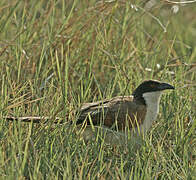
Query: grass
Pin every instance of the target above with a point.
(55, 55)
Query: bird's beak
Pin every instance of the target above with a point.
(164, 86)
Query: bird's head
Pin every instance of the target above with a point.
(150, 88)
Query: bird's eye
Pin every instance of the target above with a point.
(152, 85)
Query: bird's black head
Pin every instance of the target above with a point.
(150, 86)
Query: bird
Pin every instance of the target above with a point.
(114, 117)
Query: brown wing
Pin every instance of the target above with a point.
(117, 112)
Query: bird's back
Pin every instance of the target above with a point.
(118, 112)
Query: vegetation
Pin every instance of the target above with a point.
(55, 55)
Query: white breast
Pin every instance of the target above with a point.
(152, 100)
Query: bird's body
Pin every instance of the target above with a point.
(117, 113)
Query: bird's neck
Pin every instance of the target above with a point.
(152, 100)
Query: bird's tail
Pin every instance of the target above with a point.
(35, 119)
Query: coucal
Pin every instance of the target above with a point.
(134, 113)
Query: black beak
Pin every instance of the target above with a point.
(164, 86)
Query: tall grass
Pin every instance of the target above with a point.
(56, 55)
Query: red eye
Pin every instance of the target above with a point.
(152, 85)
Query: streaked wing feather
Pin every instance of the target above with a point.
(121, 110)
